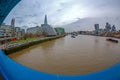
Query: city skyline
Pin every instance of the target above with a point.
(61, 13)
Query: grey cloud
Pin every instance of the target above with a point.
(59, 10)
(31, 12)
(30, 15)
(20, 21)
(18, 17)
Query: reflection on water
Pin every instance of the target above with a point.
(79, 55)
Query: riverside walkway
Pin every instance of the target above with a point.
(11, 70)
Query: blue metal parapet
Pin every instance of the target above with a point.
(11, 70)
(5, 7)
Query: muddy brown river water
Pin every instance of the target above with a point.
(70, 56)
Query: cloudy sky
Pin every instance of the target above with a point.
(63, 12)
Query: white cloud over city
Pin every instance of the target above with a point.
(61, 12)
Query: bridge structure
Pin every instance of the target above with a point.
(5, 7)
(11, 70)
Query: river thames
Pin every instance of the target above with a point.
(70, 56)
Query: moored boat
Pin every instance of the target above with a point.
(112, 40)
(72, 36)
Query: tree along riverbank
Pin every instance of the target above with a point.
(21, 46)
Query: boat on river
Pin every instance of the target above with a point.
(112, 40)
(72, 36)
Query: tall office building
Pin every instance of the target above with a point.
(13, 26)
(45, 20)
(108, 27)
(13, 22)
(96, 27)
(113, 28)
(47, 29)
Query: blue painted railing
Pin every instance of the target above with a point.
(11, 70)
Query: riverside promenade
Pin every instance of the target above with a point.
(11, 48)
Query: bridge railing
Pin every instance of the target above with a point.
(12, 70)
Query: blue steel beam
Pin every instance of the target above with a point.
(13, 71)
(5, 7)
